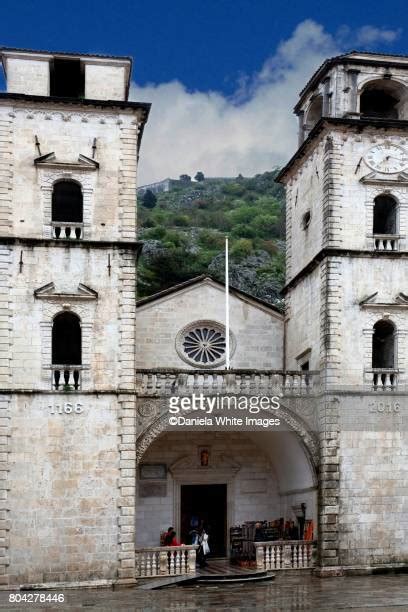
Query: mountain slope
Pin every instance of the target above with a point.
(184, 234)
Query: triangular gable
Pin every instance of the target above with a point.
(49, 292)
(209, 281)
(49, 160)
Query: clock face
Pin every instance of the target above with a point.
(387, 158)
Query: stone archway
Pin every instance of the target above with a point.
(156, 438)
(293, 421)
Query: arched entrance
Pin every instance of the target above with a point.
(226, 479)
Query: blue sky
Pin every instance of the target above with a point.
(206, 44)
(223, 75)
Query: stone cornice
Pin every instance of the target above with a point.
(336, 252)
(327, 122)
(76, 244)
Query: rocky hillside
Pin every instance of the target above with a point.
(183, 231)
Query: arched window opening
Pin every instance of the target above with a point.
(314, 113)
(383, 353)
(382, 99)
(66, 350)
(67, 209)
(66, 340)
(385, 215)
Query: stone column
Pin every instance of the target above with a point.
(329, 491)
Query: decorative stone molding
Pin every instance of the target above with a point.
(154, 428)
(48, 292)
(221, 467)
(47, 177)
(193, 335)
(6, 312)
(5, 435)
(6, 174)
(85, 312)
(331, 303)
(77, 116)
(127, 489)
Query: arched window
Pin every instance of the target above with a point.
(314, 113)
(66, 340)
(385, 215)
(67, 209)
(382, 98)
(383, 354)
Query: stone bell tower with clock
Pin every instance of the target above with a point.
(69, 143)
(347, 298)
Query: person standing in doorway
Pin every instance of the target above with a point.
(204, 548)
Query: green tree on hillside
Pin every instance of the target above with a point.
(149, 200)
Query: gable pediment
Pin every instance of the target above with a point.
(49, 292)
(374, 178)
(49, 160)
(371, 301)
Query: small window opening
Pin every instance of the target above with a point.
(67, 202)
(314, 113)
(382, 99)
(67, 78)
(305, 366)
(306, 219)
(385, 215)
(383, 354)
(66, 340)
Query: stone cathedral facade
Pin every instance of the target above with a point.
(90, 471)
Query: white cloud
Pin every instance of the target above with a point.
(254, 130)
(369, 35)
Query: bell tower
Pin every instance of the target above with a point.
(347, 257)
(69, 144)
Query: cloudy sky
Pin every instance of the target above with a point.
(223, 75)
(252, 129)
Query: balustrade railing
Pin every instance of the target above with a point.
(285, 554)
(74, 231)
(384, 379)
(165, 561)
(386, 242)
(65, 377)
(167, 382)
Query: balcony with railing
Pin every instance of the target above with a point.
(383, 379)
(162, 381)
(386, 242)
(68, 230)
(65, 378)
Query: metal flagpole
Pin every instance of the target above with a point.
(227, 323)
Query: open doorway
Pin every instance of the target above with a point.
(207, 503)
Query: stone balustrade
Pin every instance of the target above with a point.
(159, 382)
(384, 379)
(285, 554)
(67, 230)
(386, 242)
(165, 561)
(65, 377)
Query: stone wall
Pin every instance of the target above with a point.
(257, 329)
(373, 495)
(63, 494)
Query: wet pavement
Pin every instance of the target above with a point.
(285, 593)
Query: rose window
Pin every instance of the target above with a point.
(202, 344)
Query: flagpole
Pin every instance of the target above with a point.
(227, 323)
